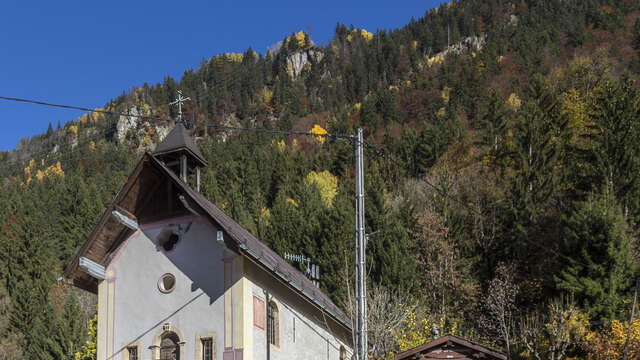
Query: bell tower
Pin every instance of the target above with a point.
(179, 152)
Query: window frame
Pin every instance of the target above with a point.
(126, 353)
(207, 354)
(273, 324)
(199, 348)
(135, 350)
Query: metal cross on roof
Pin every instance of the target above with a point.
(179, 101)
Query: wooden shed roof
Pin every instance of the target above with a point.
(450, 347)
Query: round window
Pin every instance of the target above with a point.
(167, 283)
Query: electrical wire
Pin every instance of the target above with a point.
(270, 131)
(73, 107)
(465, 205)
(47, 153)
(426, 181)
(275, 132)
(151, 117)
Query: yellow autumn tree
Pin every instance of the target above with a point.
(552, 334)
(300, 38)
(29, 170)
(233, 57)
(89, 349)
(326, 183)
(366, 35)
(576, 108)
(40, 175)
(292, 202)
(608, 343)
(446, 94)
(53, 171)
(415, 332)
(266, 96)
(73, 129)
(319, 130)
(514, 102)
(435, 60)
(265, 217)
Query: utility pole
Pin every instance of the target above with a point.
(361, 281)
(633, 309)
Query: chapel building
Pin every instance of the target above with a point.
(177, 279)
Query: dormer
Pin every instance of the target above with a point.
(180, 153)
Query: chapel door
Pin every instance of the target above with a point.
(169, 348)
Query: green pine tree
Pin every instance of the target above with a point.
(598, 269)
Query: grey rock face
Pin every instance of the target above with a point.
(297, 61)
(126, 122)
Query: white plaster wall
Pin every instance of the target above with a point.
(312, 340)
(196, 306)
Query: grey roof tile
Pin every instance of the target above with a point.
(179, 139)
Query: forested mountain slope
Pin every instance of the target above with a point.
(501, 172)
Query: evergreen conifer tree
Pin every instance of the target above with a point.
(598, 269)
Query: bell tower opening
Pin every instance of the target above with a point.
(181, 155)
(179, 152)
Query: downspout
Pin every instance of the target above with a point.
(266, 333)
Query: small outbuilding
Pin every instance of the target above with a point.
(450, 347)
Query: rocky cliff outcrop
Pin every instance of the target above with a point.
(297, 61)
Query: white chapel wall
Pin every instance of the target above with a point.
(196, 305)
(303, 332)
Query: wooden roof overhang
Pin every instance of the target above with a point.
(460, 349)
(107, 235)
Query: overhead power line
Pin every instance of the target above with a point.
(466, 206)
(49, 155)
(73, 107)
(274, 132)
(440, 191)
(161, 119)
(378, 152)
(193, 123)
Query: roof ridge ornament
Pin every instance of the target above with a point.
(179, 101)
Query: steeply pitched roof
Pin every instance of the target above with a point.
(102, 240)
(258, 251)
(424, 349)
(179, 139)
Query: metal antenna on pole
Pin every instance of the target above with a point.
(179, 101)
(361, 281)
(312, 272)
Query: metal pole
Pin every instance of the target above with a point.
(361, 281)
(633, 309)
(267, 327)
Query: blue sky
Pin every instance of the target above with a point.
(84, 53)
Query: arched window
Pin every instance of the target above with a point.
(273, 324)
(169, 347)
